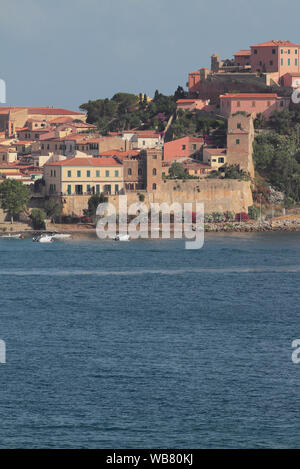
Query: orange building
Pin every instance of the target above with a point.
(182, 147)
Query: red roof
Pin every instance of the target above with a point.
(243, 52)
(276, 43)
(250, 95)
(86, 162)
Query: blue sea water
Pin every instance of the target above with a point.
(148, 345)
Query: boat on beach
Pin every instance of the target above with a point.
(122, 237)
(12, 236)
(56, 235)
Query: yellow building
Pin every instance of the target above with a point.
(82, 176)
(215, 157)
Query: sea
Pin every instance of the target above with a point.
(146, 344)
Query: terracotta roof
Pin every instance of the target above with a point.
(243, 52)
(41, 110)
(249, 95)
(120, 154)
(86, 162)
(188, 100)
(275, 43)
(216, 151)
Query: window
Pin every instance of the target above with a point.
(296, 61)
(54, 173)
(194, 146)
(273, 51)
(129, 171)
(237, 141)
(144, 142)
(116, 188)
(281, 61)
(271, 62)
(154, 186)
(69, 174)
(88, 173)
(107, 173)
(97, 188)
(183, 147)
(221, 159)
(238, 125)
(238, 104)
(88, 188)
(154, 157)
(154, 172)
(79, 174)
(281, 52)
(289, 61)
(140, 171)
(42, 146)
(117, 173)
(255, 51)
(296, 51)
(48, 146)
(289, 51)
(69, 189)
(97, 173)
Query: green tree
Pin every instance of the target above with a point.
(93, 203)
(177, 171)
(14, 196)
(38, 218)
(53, 208)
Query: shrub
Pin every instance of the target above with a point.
(141, 197)
(242, 216)
(253, 212)
(208, 218)
(37, 217)
(218, 217)
(229, 216)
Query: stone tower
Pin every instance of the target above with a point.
(240, 137)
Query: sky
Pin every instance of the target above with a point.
(63, 53)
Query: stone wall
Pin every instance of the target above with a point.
(217, 196)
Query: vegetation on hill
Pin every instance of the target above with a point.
(277, 152)
(195, 123)
(125, 111)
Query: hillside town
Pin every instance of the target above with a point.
(69, 156)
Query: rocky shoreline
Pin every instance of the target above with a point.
(255, 226)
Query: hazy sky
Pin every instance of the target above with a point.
(65, 52)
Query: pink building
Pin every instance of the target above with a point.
(275, 57)
(242, 58)
(252, 103)
(182, 147)
(291, 79)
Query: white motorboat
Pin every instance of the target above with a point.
(60, 235)
(43, 238)
(13, 236)
(122, 237)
